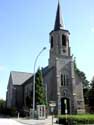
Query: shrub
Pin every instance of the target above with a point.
(87, 118)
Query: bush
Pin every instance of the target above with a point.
(9, 111)
(88, 118)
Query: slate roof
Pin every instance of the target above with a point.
(46, 70)
(18, 78)
(58, 21)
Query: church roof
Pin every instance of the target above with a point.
(18, 78)
(58, 21)
(46, 70)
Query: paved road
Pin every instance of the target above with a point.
(47, 121)
(4, 121)
(22, 121)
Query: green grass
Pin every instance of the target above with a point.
(81, 118)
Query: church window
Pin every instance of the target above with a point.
(64, 80)
(51, 41)
(63, 40)
(67, 80)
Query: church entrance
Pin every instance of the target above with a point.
(65, 106)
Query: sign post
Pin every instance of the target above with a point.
(52, 105)
(66, 110)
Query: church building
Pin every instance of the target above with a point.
(64, 85)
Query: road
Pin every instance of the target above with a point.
(23, 121)
(4, 121)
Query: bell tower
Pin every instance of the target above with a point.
(63, 80)
(59, 38)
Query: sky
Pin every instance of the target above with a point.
(24, 30)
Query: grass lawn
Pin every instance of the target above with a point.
(81, 118)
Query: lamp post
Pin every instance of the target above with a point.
(34, 78)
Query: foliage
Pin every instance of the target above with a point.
(40, 98)
(2, 102)
(9, 111)
(88, 89)
(81, 118)
(91, 97)
(13, 111)
(84, 81)
(2, 105)
(82, 76)
(6, 111)
(39, 89)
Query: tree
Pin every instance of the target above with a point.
(91, 96)
(39, 89)
(85, 82)
(2, 105)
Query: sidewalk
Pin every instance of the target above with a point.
(47, 121)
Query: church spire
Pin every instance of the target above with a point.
(58, 21)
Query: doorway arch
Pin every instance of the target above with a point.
(65, 105)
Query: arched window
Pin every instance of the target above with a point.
(63, 40)
(64, 80)
(67, 79)
(51, 41)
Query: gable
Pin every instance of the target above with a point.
(18, 78)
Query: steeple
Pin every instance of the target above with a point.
(58, 21)
(59, 39)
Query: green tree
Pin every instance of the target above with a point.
(2, 105)
(2, 102)
(85, 82)
(91, 96)
(39, 89)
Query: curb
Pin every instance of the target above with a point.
(31, 122)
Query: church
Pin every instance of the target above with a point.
(64, 85)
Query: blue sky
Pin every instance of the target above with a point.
(24, 31)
